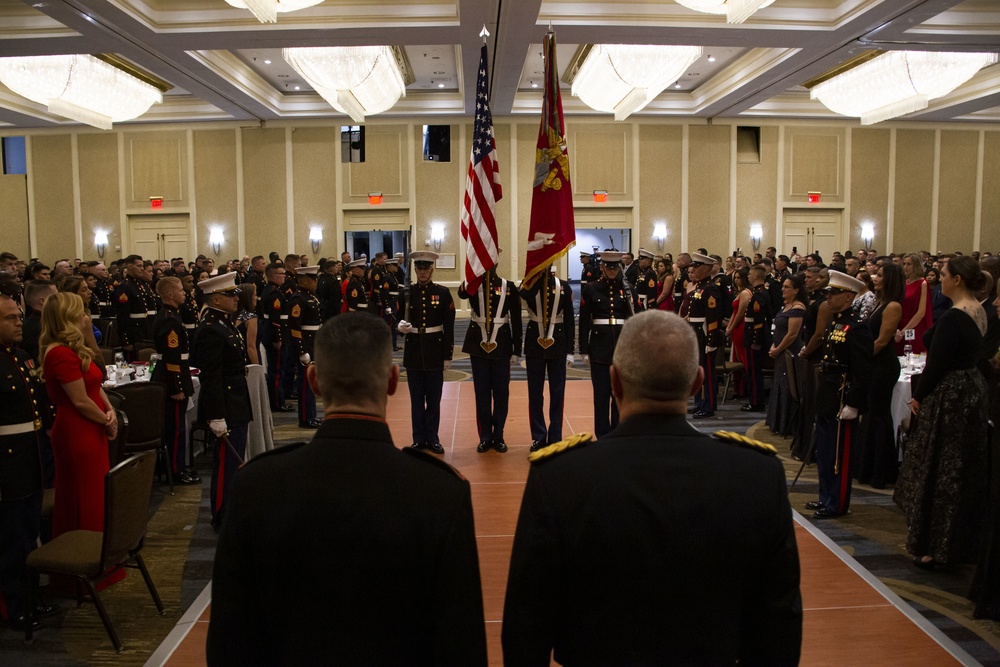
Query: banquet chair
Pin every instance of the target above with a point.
(145, 353)
(109, 355)
(90, 556)
(144, 405)
(726, 369)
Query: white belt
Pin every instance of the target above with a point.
(614, 321)
(266, 317)
(184, 356)
(558, 319)
(103, 303)
(310, 327)
(189, 326)
(151, 313)
(427, 330)
(283, 317)
(496, 320)
(137, 316)
(361, 305)
(696, 320)
(17, 429)
(393, 293)
(748, 319)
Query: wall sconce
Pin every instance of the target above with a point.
(437, 235)
(600, 196)
(216, 238)
(315, 238)
(101, 241)
(867, 234)
(660, 234)
(756, 234)
(374, 198)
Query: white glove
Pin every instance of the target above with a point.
(569, 360)
(514, 358)
(447, 364)
(847, 413)
(304, 359)
(388, 311)
(586, 360)
(710, 350)
(218, 427)
(404, 327)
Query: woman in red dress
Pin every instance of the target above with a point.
(917, 310)
(734, 330)
(665, 284)
(84, 418)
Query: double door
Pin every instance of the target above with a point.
(807, 232)
(159, 238)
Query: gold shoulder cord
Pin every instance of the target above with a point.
(561, 446)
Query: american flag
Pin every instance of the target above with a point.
(482, 189)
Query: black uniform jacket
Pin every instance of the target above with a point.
(508, 338)
(304, 320)
(328, 293)
(645, 290)
(347, 551)
(564, 332)
(429, 306)
(219, 352)
(705, 314)
(356, 294)
(845, 365)
(757, 319)
(273, 309)
(602, 300)
(656, 545)
(135, 311)
(171, 340)
(23, 403)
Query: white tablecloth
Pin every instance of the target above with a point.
(901, 402)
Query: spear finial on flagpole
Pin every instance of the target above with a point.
(484, 33)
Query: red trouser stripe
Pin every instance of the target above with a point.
(221, 481)
(845, 462)
(277, 372)
(177, 432)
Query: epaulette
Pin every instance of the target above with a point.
(546, 453)
(427, 457)
(743, 441)
(282, 449)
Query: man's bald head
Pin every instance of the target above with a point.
(668, 375)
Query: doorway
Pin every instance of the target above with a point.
(807, 232)
(599, 238)
(373, 241)
(156, 237)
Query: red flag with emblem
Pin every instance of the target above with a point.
(551, 231)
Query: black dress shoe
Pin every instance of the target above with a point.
(436, 448)
(46, 610)
(417, 445)
(500, 446)
(294, 396)
(537, 444)
(814, 505)
(21, 623)
(824, 513)
(284, 408)
(929, 565)
(483, 447)
(751, 408)
(312, 423)
(702, 414)
(184, 477)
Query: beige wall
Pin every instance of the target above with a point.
(923, 186)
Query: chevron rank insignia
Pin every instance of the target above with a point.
(173, 340)
(743, 441)
(546, 453)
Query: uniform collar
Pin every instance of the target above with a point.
(348, 426)
(661, 424)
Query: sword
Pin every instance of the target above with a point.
(225, 438)
(836, 460)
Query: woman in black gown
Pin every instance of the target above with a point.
(877, 465)
(787, 337)
(944, 478)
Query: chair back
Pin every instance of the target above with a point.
(144, 408)
(117, 400)
(109, 355)
(110, 338)
(127, 490)
(116, 445)
(145, 353)
(793, 380)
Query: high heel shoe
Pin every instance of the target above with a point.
(929, 565)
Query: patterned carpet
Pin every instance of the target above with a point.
(180, 549)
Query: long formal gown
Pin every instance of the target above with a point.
(80, 448)
(944, 478)
(668, 303)
(911, 303)
(779, 404)
(877, 462)
(739, 351)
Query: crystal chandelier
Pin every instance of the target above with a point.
(623, 78)
(267, 11)
(356, 80)
(736, 11)
(80, 87)
(897, 83)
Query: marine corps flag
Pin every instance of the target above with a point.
(551, 231)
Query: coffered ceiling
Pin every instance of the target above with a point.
(225, 65)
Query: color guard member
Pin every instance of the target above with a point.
(604, 307)
(841, 396)
(304, 320)
(549, 340)
(493, 344)
(174, 372)
(224, 401)
(705, 315)
(429, 325)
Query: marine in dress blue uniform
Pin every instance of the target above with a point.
(132, 309)
(304, 320)
(429, 325)
(356, 292)
(289, 366)
(841, 396)
(549, 340)
(170, 338)
(273, 310)
(394, 294)
(604, 307)
(224, 402)
(493, 343)
(757, 339)
(705, 316)
(645, 283)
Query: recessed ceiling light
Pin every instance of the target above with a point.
(297, 88)
(440, 85)
(711, 59)
(267, 62)
(534, 85)
(677, 85)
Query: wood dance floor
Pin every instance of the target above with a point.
(850, 617)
